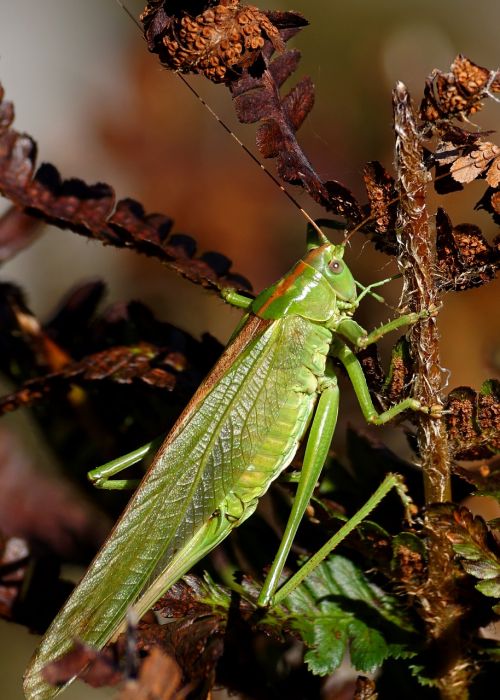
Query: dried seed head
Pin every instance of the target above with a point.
(457, 94)
(471, 77)
(218, 42)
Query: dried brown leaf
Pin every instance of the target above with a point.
(462, 156)
(474, 79)
(255, 88)
(183, 600)
(299, 102)
(382, 197)
(446, 152)
(465, 259)
(216, 39)
(123, 365)
(495, 202)
(196, 643)
(399, 377)
(372, 369)
(393, 386)
(408, 562)
(96, 668)
(366, 689)
(475, 163)
(259, 100)
(473, 421)
(159, 679)
(91, 210)
(457, 94)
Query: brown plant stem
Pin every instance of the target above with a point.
(417, 262)
(440, 608)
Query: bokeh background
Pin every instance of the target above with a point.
(102, 109)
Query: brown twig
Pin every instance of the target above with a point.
(418, 263)
(440, 608)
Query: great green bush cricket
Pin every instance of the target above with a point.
(274, 383)
(240, 430)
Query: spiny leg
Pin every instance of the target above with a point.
(358, 380)
(318, 444)
(391, 481)
(356, 334)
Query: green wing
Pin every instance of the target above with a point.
(240, 429)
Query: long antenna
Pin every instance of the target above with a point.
(226, 128)
(130, 14)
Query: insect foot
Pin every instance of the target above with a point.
(422, 315)
(432, 311)
(434, 411)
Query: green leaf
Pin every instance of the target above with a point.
(421, 672)
(337, 608)
(490, 588)
(368, 647)
(349, 580)
(482, 569)
(400, 651)
(327, 640)
(468, 550)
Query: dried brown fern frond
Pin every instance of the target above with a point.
(215, 39)
(459, 92)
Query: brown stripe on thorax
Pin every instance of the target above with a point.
(285, 284)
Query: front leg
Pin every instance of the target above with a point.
(346, 356)
(360, 338)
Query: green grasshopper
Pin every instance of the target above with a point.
(274, 383)
(240, 430)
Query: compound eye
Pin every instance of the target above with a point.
(336, 266)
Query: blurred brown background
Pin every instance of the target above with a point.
(102, 109)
